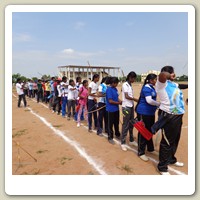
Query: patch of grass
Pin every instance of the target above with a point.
(64, 159)
(57, 126)
(19, 133)
(41, 151)
(90, 173)
(126, 168)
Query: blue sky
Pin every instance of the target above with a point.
(133, 41)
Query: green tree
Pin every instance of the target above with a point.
(15, 77)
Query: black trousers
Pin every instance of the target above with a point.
(172, 131)
(142, 142)
(113, 120)
(102, 118)
(22, 96)
(57, 103)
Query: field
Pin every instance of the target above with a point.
(44, 143)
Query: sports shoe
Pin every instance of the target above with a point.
(53, 111)
(123, 146)
(111, 141)
(134, 143)
(144, 158)
(178, 164)
(100, 134)
(78, 125)
(163, 173)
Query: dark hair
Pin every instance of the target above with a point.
(64, 78)
(85, 81)
(149, 77)
(71, 81)
(52, 78)
(95, 76)
(168, 69)
(104, 79)
(78, 78)
(19, 79)
(114, 80)
(108, 80)
(131, 75)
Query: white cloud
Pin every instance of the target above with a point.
(79, 25)
(68, 51)
(22, 37)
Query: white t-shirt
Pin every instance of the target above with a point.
(100, 89)
(94, 89)
(126, 88)
(59, 90)
(19, 89)
(64, 88)
(71, 93)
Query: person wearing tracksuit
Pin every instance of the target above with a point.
(172, 110)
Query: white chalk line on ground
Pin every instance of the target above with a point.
(132, 149)
(76, 145)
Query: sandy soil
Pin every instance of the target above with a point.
(37, 148)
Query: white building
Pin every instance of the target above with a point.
(144, 75)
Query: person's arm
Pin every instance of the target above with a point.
(151, 101)
(164, 76)
(114, 102)
(130, 98)
(91, 94)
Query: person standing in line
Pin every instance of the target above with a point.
(47, 90)
(64, 87)
(83, 97)
(112, 108)
(71, 104)
(172, 109)
(102, 108)
(146, 109)
(52, 94)
(40, 91)
(30, 88)
(35, 89)
(20, 92)
(57, 100)
(92, 102)
(128, 110)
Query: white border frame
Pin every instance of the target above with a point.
(97, 184)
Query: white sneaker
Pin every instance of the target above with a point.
(134, 143)
(178, 164)
(123, 146)
(144, 158)
(78, 125)
(165, 173)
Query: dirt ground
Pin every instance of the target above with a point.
(44, 143)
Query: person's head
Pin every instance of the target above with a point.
(170, 70)
(107, 82)
(104, 79)
(85, 83)
(151, 79)
(78, 79)
(64, 79)
(19, 80)
(53, 78)
(95, 78)
(114, 82)
(71, 82)
(131, 77)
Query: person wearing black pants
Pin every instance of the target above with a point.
(172, 109)
(143, 143)
(112, 108)
(20, 92)
(146, 109)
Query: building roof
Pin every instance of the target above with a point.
(94, 67)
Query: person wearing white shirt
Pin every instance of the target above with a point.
(20, 92)
(92, 101)
(64, 87)
(128, 110)
(71, 98)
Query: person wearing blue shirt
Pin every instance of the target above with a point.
(112, 108)
(146, 109)
(171, 110)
